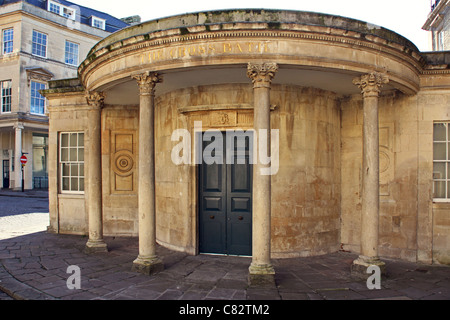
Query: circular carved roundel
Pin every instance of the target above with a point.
(384, 162)
(123, 163)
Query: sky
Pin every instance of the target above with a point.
(405, 17)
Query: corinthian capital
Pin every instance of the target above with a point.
(262, 74)
(147, 82)
(95, 98)
(370, 84)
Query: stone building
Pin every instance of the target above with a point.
(438, 23)
(359, 139)
(40, 41)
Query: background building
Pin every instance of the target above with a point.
(40, 41)
(438, 23)
(133, 20)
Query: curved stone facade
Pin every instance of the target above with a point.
(237, 37)
(306, 189)
(354, 105)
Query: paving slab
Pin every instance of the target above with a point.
(42, 275)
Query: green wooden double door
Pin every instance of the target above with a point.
(225, 197)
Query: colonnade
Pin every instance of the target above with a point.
(261, 267)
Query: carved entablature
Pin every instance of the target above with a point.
(239, 115)
(38, 74)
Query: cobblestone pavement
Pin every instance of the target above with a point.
(34, 267)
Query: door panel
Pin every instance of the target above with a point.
(239, 208)
(213, 178)
(239, 237)
(240, 204)
(240, 177)
(212, 203)
(212, 224)
(225, 204)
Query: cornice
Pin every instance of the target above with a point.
(66, 108)
(63, 92)
(219, 107)
(273, 18)
(23, 117)
(58, 25)
(338, 37)
(429, 72)
(434, 15)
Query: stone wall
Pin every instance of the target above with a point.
(306, 191)
(434, 220)
(68, 213)
(398, 175)
(411, 225)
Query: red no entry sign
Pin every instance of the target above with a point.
(23, 159)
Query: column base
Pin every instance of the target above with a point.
(147, 265)
(96, 246)
(362, 263)
(261, 275)
(51, 229)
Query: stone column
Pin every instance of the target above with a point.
(147, 262)
(370, 85)
(94, 174)
(17, 154)
(261, 269)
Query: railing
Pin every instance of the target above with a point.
(40, 183)
(434, 4)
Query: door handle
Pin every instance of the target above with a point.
(240, 218)
(211, 217)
